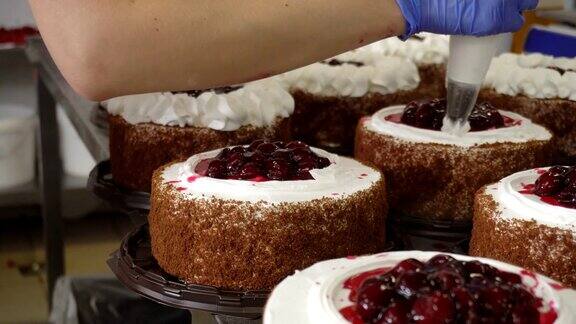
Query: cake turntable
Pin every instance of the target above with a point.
(137, 269)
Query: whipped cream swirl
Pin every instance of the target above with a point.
(344, 177)
(523, 132)
(512, 204)
(532, 75)
(388, 75)
(258, 103)
(316, 294)
(427, 48)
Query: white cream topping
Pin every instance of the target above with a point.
(388, 75)
(524, 132)
(257, 103)
(530, 75)
(514, 205)
(316, 294)
(344, 177)
(431, 49)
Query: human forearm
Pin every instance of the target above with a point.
(107, 48)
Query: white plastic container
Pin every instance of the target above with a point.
(76, 159)
(17, 145)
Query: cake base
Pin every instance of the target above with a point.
(547, 250)
(252, 246)
(137, 150)
(557, 115)
(438, 182)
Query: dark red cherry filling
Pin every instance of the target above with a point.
(264, 161)
(557, 186)
(444, 290)
(429, 114)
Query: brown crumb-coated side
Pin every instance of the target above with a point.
(329, 122)
(253, 246)
(557, 115)
(438, 182)
(540, 248)
(137, 150)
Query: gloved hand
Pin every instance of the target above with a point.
(463, 17)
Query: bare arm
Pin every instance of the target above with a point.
(108, 48)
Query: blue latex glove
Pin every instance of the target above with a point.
(463, 17)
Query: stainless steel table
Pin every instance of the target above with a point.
(52, 88)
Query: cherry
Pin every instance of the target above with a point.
(434, 308)
(477, 267)
(249, 170)
(216, 169)
(234, 161)
(410, 283)
(254, 145)
(299, 154)
(496, 300)
(407, 265)
(267, 148)
(265, 161)
(508, 277)
(277, 169)
(396, 313)
(439, 260)
(446, 279)
(550, 182)
(372, 297)
(296, 144)
(464, 299)
(429, 114)
(484, 117)
(322, 162)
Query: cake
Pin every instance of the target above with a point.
(245, 217)
(419, 287)
(433, 175)
(541, 88)
(529, 219)
(332, 95)
(149, 130)
(428, 51)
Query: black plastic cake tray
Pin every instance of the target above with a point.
(137, 269)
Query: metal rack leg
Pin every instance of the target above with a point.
(50, 186)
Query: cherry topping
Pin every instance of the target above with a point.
(429, 114)
(557, 185)
(446, 290)
(264, 161)
(434, 308)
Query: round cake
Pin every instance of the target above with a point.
(529, 219)
(331, 96)
(149, 130)
(540, 87)
(428, 51)
(419, 287)
(433, 174)
(243, 218)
